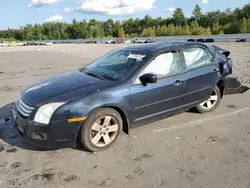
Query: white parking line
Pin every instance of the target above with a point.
(196, 122)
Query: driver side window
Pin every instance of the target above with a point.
(163, 65)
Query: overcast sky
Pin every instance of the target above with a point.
(16, 13)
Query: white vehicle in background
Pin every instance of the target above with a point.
(109, 41)
(3, 44)
(127, 41)
(49, 43)
(140, 40)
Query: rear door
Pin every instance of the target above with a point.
(202, 74)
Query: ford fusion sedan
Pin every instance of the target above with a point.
(125, 88)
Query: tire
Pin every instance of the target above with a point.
(96, 133)
(212, 103)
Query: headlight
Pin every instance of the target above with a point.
(45, 112)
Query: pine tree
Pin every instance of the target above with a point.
(178, 17)
(197, 14)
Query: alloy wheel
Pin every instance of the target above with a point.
(104, 131)
(211, 101)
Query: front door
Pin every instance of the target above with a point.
(164, 97)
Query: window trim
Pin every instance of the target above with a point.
(201, 66)
(167, 76)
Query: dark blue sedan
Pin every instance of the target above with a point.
(125, 88)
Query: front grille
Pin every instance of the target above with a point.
(24, 109)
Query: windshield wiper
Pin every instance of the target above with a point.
(94, 75)
(104, 74)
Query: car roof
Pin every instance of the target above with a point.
(165, 45)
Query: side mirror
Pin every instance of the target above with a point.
(148, 78)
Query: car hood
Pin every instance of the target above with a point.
(62, 88)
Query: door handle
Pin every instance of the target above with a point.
(178, 82)
(216, 70)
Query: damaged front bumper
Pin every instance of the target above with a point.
(56, 135)
(233, 86)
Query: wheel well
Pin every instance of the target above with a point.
(125, 127)
(221, 86)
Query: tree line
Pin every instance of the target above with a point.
(215, 22)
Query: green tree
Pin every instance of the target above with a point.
(164, 30)
(186, 30)
(117, 26)
(37, 32)
(171, 29)
(148, 32)
(148, 21)
(158, 31)
(121, 33)
(248, 25)
(216, 29)
(28, 32)
(243, 26)
(197, 14)
(215, 22)
(195, 28)
(178, 17)
(108, 27)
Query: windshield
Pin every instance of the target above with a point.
(118, 64)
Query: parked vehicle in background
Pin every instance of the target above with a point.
(200, 40)
(119, 41)
(149, 41)
(123, 89)
(139, 41)
(127, 41)
(209, 40)
(190, 40)
(241, 40)
(3, 44)
(109, 42)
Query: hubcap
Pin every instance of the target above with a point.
(104, 131)
(211, 101)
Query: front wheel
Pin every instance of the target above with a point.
(101, 129)
(211, 103)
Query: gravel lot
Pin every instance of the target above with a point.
(188, 150)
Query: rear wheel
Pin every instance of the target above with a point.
(101, 129)
(211, 103)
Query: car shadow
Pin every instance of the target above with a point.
(12, 138)
(10, 135)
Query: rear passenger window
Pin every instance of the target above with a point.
(196, 57)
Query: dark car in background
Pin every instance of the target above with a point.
(241, 40)
(125, 88)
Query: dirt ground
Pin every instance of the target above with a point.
(187, 150)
